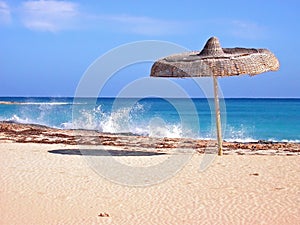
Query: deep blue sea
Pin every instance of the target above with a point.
(242, 119)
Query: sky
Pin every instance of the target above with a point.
(47, 46)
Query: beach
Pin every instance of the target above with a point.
(149, 113)
(41, 184)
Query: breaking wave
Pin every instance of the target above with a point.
(125, 120)
(148, 118)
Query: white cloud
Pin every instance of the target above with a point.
(5, 14)
(49, 15)
(55, 16)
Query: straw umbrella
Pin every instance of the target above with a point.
(214, 61)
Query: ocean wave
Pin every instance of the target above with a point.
(284, 140)
(17, 119)
(252, 140)
(125, 120)
(114, 123)
(45, 103)
(241, 140)
(162, 130)
(119, 122)
(39, 103)
(147, 118)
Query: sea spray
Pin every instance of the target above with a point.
(248, 120)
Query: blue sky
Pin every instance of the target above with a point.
(46, 46)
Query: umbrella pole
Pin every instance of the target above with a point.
(218, 117)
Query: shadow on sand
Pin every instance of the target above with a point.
(101, 152)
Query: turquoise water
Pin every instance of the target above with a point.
(242, 119)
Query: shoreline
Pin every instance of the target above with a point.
(31, 133)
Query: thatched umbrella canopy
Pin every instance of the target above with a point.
(214, 61)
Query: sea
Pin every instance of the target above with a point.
(243, 119)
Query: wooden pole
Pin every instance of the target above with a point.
(218, 117)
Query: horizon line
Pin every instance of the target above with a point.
(134, 97)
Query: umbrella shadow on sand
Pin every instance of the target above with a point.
(102, 152)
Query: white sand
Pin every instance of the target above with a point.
(38, 187)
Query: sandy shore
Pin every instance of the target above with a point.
(52, 183)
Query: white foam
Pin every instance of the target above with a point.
(123, 121)
(127, 120)
(45, 103)
(17, 119)
(284, 140)
(241, 140)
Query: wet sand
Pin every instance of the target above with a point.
(29, 133)
(44, 180)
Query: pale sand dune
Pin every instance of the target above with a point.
(38, 187)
